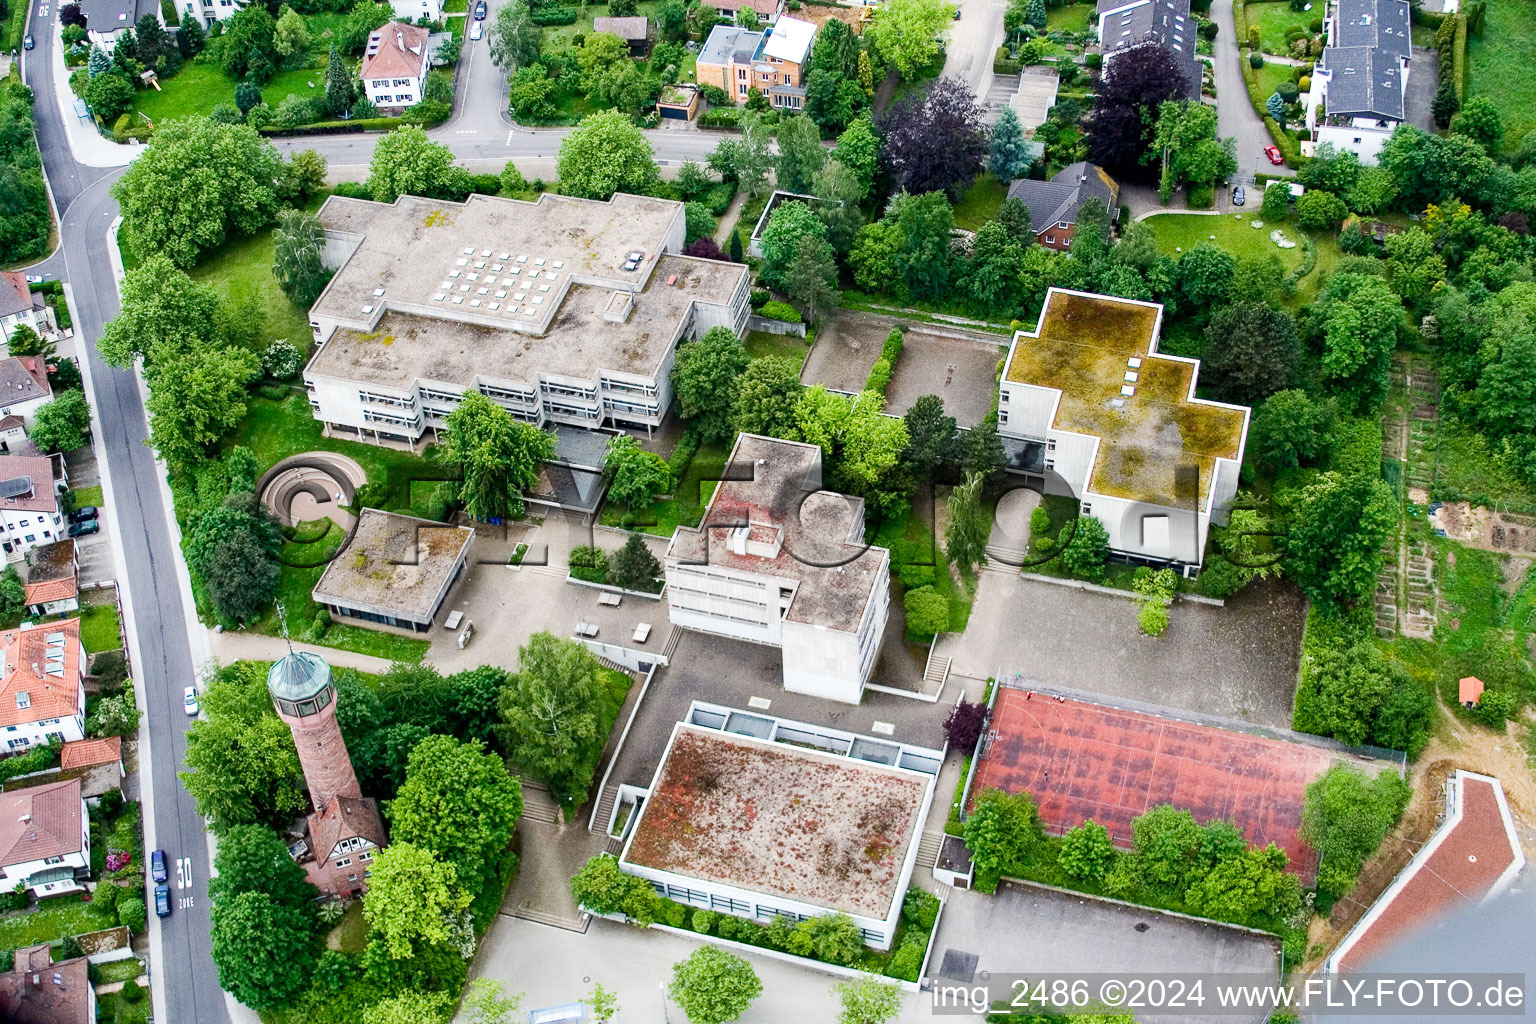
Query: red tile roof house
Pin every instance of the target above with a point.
(29, 502)
(97, 763)
(24, 388)
(37, 991)
(768, 11)
(42, 685)
(53, 579)
(395, 66)
(19, 305)
(1472, 857)
(45, 841)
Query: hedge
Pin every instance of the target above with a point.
(358, 124)
(780, 311)
(554, 15)
(880, 374)
(1305, 267)
(720, 117)
(1459, 58)
(1004, 64)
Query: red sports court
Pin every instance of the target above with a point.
(1083, 760)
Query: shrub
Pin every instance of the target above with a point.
(131, 913)
(589, 564)
(780, 311)
(554, 15)
(132, 991)
(674, 915)
(1201, 197)
(273, 392)
(927, 612)
(907, 961)
(1087, 550)
(964, 725)
(703, 921)
(728, 926)
(1256, 61)
(919, 909)
(759, 298)
(913, 576)
(1495, 708)
(1039, 521)
(1044, 545)
(1087, 852)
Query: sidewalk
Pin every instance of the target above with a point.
(85, 143)
(235, 646)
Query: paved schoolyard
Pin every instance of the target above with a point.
(961, 372)
(1237, 662)
(1027, 930)
(845, 349)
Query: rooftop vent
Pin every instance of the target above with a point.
(1127, 390)
(367, 309)
(378, 292)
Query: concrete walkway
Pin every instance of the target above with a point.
(728, 221)
(236, 646)
(85, 143)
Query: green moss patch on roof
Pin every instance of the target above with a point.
(1153, 444)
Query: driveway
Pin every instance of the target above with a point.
(1235, 115)
(1235, 662)
(1024, 929)
(1422, 83)
(973, 41)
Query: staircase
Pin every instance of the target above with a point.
(615, 666)
(674, 637)
(937, 671)
(997, 97)
(538, 805)
(570, 924)
(604, 811)
(928, 848)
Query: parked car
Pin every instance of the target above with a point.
(1239, 197)
(1273, 152)
(84, 514)
(189, 700)
(480, 10)
(34, 279)
(157, 866)
(29, 42)
(162, 901)
(476, 31)
(84, 529)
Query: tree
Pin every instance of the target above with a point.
(197, 399)
(1289, 429)
(1166, 841)
(243, 766)
(832, 101)
(410, 1008)
(487, 1004)
(963, 727)
(98, 63)
(63, 424)
(253, 858)
(556, 713)
(633, 566)
(340, 93)
(1013, 217)
(191, 40)
(672, 18)
(933, 439)
(860, 443)
(532, 94)
(1250, 352)
(698, 222)
(24, 341)
(810, 279)
(406, 162)
(460, 805)
(707, 249)
(13, 593)
(241, 578)
(1002, 831)
(605, 154)
(991, 275)
(1087, 550)
(601, 887)
(907, 33)
(1414, 264)
(1479, 121)
(635, 476)
(250, 38)
(1346, 816)
(790, 222)
(1276, 204)
(1275, 108)
(1205, 276)
(1354, 694)
(858, 149)
(867, 999)
(1320, 210)
(298, 245)
(498, 457)
(1356, 318)
(704, 376)
(713, 986)
(927, 612)
(110, 96)
(1248, 883)
(800, 153)
(965, 539)
(746, 159)
(1133, 85)
(1087, 852)
(1185, 139)
(766, 395)
(1007, 155)
(1336, 528)
(196, 183)
(290, 36)
(412, 900)
(264, 951)
(840, 192)
(936, 142)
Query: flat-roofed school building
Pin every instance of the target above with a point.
(560, 310)
(395, 571)
(760, 817)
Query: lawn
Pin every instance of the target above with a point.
(1072, 18)
(1466, 470)
(561, 37)
(1178, 232)
(118, 970)
(1275, 20)
(54, 919)
(200, 87)
(911, 542)
(689, 496)
(1271, 75)
(113, 1007)
(351, 933)
(761, 344)
(99, 628)
(980, 202)
(84, 496)
(241, 271)
(1499, 62)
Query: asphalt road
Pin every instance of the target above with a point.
(973, 41)
(1235, 115)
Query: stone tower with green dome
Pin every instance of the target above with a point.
(305, 698)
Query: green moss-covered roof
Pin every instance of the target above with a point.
(1151, 447)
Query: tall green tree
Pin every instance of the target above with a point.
(800, 153)
(840, 191)
(196, 184)
(264, 951)
(810, 279)
(242, 765)
(556, 713)
(907, 33)
(860, 443)
(407, 162)
(196, 400)
(791, 221)
(1007, 153)
(1355, 321)
(635, 476)
(713, 986)
(605, 154)
(858, 149)
(1250, 352)
(1290, 429)
(1334, 534)
(965, 539)
(253, 858)
(633, 567)
(63, 424)
(1345, 817)
(497, 456)
(241, 578)
(766, 395)
(704, 376)
(1002, 831)
(298, 244)
(340, 91)
(515, 40)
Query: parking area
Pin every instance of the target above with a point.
(961, 372)
(1236, 662)
(845, 350)
(1028, 930)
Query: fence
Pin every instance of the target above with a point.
(762, 323)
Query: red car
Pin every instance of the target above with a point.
(1274, 155)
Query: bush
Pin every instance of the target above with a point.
(554, 15)
(1201, 197)
(780, 311)
(759, 297)
(963, 727)
(703, 921)
(880, 374)
(589, 564)
(674, 915)
(907, 962)
(1087, 550)
(714, 95)
(1044, 545)
(927, 612)
(1256, 61)
(131, 913)
(728, 926)
(913, 576)
(1495, 708)
(132, 991)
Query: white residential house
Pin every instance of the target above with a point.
(29, 502)
(1359, 87)
(395, 66)
(45, 839)
(1088, 407)
(209, 11)
(779, 561)
(20, 306)
(24, 389)
(42, 685)
(1126, 24)
(415, 10)
(107, 20)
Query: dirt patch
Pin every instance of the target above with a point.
(1454, 746)
(853, 17)
(1481, 527)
